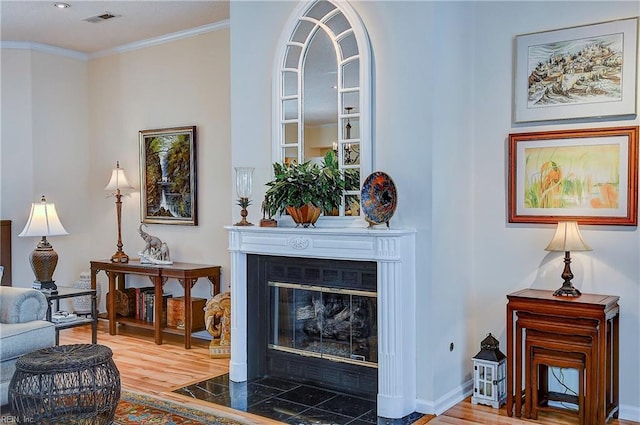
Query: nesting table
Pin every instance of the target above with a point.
(595, 315)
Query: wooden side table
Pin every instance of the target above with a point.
(604, 312)
(186, 273)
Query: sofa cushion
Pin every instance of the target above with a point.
(21, 338)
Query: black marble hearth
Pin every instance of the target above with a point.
(291, 402)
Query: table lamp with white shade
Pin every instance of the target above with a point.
(567, 238)
(43, 221)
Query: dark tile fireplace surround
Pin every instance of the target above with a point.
(303, 310)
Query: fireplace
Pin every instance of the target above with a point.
(381, 358)
(313, 321)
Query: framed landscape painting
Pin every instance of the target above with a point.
(581, 72)
(168, 176)
(588, 175)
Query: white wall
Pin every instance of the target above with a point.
(415, 87)
(509, 257)
(65, 123)
(45, 151)
(185, 82)
(16, 147)
(442, 114)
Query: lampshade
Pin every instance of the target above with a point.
(567, 238)
(118, 180)
(43, 221)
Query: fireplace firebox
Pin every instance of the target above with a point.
(313, 321)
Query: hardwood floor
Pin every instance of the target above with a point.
(159, 369)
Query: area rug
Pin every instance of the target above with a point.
(136, 408)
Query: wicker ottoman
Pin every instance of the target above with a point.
(70, 384)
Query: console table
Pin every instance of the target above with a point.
(186, 273)
(600, 310)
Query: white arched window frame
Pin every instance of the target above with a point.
(352, 50)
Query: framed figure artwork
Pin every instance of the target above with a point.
(580, 72)
(586, 175)
(168, 176)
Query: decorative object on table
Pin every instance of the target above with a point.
(580, 72)
(175, 313)
(567, 238)
(155, 251)
(489, 374)
(266, 210)
(82, 305)
(217, 320)
(168, 176)
(586, 175)
(305, 190)
(63, 317)
(378, 198)
(117, 183)
(125, 302)
(43, 221)
(244, 183)
(46, 387)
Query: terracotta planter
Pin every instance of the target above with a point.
(305, 215)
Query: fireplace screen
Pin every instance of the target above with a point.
(331, 323)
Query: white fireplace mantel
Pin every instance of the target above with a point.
(394, 252)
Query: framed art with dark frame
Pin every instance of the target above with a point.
(580, 72)
(586, 175)
(168, 176)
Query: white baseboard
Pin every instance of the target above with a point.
(445, 402)
(629, 413)
(455, 396)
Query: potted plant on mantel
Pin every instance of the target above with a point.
(305, 190)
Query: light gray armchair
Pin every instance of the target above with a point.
(22, 330)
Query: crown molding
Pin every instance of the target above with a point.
(46, 48)
(161, 39)
(40, 47)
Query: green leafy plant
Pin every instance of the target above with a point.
(296, 185)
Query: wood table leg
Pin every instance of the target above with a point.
(188, 314)
(157, 307)
(94, 307)
(111, 313)
(509, 361)
(94, 318)
(518, 363)
(215, 281)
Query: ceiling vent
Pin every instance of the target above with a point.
(100, 18)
